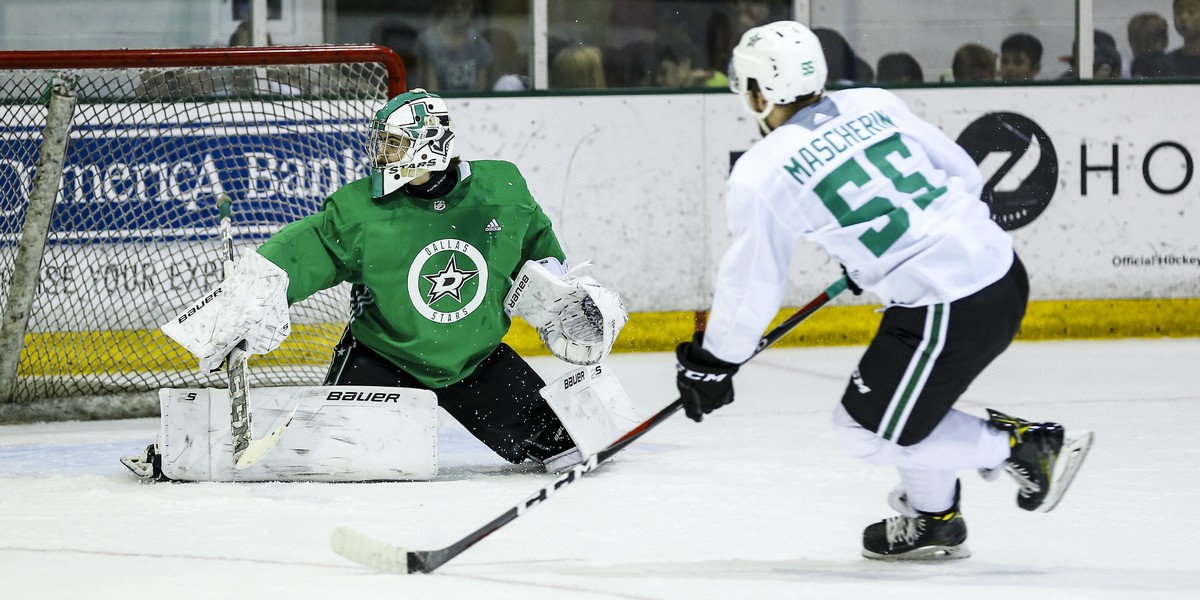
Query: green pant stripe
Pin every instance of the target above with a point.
(926, 356)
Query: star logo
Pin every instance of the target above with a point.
(448, 282)
(467, 287)
(754, 39)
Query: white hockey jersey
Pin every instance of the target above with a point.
(883, 192)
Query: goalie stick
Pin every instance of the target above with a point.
(390, 558)
(246, 449)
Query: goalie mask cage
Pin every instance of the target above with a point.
(110, 168)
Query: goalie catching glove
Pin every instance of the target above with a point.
(250, 305)
(576, 317)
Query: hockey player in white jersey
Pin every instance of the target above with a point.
(897, 203)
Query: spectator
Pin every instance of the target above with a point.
(577, 67)
(398, 35)
(1185, 60)
(510, 67)
(678, 61)
(1147, 34)
(719, 35)
(451, 55)
(1106, 59)
(1020, 57)
(845, 67)
(628, 66)
(750, 13)
(899, 67)
(974, 62)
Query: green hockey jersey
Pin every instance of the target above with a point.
(430, 275)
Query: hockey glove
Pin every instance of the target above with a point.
(250, 304)
(576, 317)
(705, 382)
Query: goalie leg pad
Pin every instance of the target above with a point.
(339, 433)
(576, 317)
(592, 406)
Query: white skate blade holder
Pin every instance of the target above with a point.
(1075, 448)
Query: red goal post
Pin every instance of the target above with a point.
(110, 165)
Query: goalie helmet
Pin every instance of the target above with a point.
(410, 136)
(786, 61)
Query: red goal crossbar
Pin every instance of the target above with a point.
(202, 57)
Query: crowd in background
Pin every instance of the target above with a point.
(460, 52)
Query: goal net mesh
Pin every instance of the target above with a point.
(134, 228)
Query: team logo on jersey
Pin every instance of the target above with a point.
(1018, 164)
(447, 280)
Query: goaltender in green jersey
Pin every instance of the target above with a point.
(441, 253)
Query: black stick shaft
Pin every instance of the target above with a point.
(425, 561)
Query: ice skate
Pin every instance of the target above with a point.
(147, 465)
(926, 536)
(1043, 460)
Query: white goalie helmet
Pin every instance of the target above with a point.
(784, 58)
(410, 136)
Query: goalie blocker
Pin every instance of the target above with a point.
(359, 433)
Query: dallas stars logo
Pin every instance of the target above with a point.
(466, 286)
(448, 282)
(754, 39)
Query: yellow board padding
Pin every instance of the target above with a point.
(856, 325)
(92, 352)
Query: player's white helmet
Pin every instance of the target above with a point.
(410, 136)
(784, 58)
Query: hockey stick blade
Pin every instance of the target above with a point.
(391, 558)
(257, 449)
(1074, 450)
(370, 552)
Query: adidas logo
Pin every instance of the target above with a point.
(820, 118)
(493, 226)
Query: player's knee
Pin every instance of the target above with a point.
(860, 442)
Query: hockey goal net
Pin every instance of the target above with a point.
(110, 167)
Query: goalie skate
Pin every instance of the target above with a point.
(147, 465)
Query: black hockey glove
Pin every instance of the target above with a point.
(850, 285)
(705, 382)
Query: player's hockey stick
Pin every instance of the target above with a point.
(395, 559)
(246, 449)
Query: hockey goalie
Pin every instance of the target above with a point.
(441, 253)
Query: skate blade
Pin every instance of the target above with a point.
(1074, 450)
(926, 554)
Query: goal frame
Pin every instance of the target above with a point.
(13, 329)
(241, 56)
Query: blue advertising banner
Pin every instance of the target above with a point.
(131, 183)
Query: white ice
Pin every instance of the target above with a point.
(756, 502)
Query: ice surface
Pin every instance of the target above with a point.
(756, 502)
